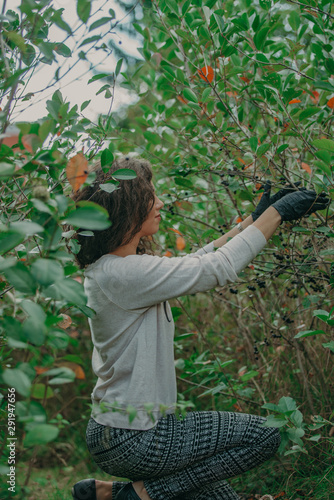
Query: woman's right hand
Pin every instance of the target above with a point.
(300, 203)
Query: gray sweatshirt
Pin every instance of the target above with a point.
(133, 328)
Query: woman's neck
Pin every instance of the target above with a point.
(128, 249)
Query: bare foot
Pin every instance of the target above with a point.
(103, 490)
(140, 489)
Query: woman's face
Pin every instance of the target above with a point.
(151, 224)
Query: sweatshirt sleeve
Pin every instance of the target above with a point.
(138, 281)
(202, 251)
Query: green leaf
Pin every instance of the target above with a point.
(88, 311)
(296, 418)
(14, 78)
(58, 338)
(265, 4)
(41, 391)
(106, 158)
(118, 66)
(7, 262)
(297, 448)
(151, 137)
(308, 333)
(67, 289)
(253, 142)
(260, 37)
(57, 19)
(298, 229)
(249, 375)
(84, 105)
(263, 149)
(41, 206)
(271, 406)
(83, 9)
(89, 215)
(124, 174)
(316, 437)
(53, 108)
(99, 22)
(33, 309)
(62, 50)
(40, 434)
(295, 435)
(6, 169)
(325, 85)
(63, 374)
(324, 168)
(219, 20)
(60, 380)
(241, 22)
(62, 202)
(109, 188)
(275, 421)
(74, 358)
(138, 28)
(189, 95)
(287, 404)
(206, 94)
(321, 313)
(329, 345)
(99, 77)
(9, 240)
(47, 49)
(91, 39)
(13, 329)
(294, 20)
(329, 65)
(27, 227)
(17, 39)
(261, 58)
(281, 148)
(132, 413)
(47, 271)
(326, 144)
(18, 379)
(324, 156)
(310, 111)
(20, 277)
(34, 330)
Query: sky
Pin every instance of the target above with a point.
(74, 86)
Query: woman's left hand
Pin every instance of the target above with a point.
(267, 200)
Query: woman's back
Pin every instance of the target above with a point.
(133, 347)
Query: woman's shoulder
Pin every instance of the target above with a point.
(111, 261)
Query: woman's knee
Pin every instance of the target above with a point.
(271, 440)
(276, 438)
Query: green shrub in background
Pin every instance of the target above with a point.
(228, 95)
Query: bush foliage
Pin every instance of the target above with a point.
(227, 95)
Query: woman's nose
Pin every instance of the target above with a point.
(159, 204)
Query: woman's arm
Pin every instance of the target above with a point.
(267, 223)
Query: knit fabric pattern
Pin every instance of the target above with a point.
(184, 458)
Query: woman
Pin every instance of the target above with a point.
(133, 431)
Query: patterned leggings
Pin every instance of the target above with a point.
(187, 458)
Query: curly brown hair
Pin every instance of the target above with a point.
(127, 206)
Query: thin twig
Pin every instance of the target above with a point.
(311, 8)
(201, 386)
